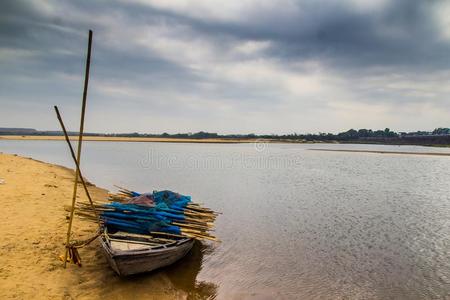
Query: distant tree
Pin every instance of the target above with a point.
(364, 132)
(419, 133)
(348, 135)
(441, 131)
(379, 133)
(204, 135)
(389, 133)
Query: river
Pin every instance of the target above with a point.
(295, 223)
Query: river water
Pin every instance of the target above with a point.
(296, 223)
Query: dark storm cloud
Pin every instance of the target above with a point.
(404, 33)
(42, 47)
(59, 42)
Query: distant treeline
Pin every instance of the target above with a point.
(439, 136)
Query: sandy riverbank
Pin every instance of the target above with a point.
(33, 228)
(126, 139)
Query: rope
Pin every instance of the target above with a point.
(72, 250)
(81, 244)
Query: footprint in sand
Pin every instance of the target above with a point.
(50, 185)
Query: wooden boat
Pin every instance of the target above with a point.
(130, 254)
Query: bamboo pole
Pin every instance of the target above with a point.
(76, 162)
(80, 140)
(166, 234)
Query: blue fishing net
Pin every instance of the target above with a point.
(134, 218)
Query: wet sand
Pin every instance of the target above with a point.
(384, 152)
(33, 228)
(127, 139)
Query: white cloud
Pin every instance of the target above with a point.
(224, 11)
(442, 16)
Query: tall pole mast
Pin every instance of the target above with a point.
(80, 140)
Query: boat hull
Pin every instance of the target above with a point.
(129, 262)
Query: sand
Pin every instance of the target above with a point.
(127, 139)
(33, 229)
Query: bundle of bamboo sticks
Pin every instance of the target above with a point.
(191, 220)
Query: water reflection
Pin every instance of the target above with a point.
(183, 274)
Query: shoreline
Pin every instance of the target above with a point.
(33, 229)
(195, 141)
(383, 152)
(126, 139)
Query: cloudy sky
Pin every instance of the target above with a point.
(227, 66)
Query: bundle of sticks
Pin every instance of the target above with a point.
(158, 213)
